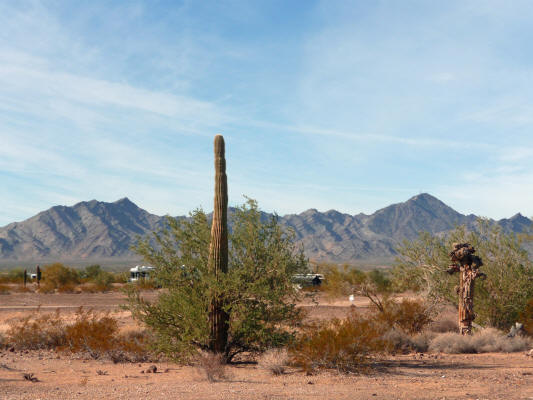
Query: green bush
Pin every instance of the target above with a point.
(257, 290)
(342, 281)
(499, 299)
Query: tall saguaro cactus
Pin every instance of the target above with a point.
(467, 264)
(218, 251)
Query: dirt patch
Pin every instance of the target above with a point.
(485, 376)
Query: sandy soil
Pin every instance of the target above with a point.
(483, 376)
(486, 376)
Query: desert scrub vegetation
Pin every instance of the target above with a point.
(257, 291)
(58, 277)
(345, 280)
(213, 366)
(346, 345)
(275, 361)
(487, 340)
(500, 299)
(93, 334)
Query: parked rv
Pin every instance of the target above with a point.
(140, 272)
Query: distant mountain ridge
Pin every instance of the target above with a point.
(96, 230)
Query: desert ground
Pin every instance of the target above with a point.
(411, 376)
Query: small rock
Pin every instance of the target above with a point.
(167, 369)
(310, 383)
(152, 369)
(142, 371)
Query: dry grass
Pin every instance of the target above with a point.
(487, 340)
(343, 345)
(37, 331)
(212, 366)
(401, 342)
(91, 333)
(274, 361)
(409, 316)
(5, 289)
(444, 325)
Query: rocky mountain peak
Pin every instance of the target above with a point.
(94, 229)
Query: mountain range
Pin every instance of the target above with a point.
(94, 230)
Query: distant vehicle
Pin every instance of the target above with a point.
(303, 280)
(33, 276)
(140, 272)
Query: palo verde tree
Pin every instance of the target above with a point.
(255, 294)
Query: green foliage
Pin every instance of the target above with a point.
(380, 280)
(341, 281)
(58, 276)
(257, 290)
(499, 299)
(99, 279)
(91, 272)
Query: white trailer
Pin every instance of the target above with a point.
(140, 272)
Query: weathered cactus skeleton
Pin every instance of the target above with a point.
(467, 264)
(218, 250)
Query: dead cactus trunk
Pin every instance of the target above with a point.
(218, 251)
(467, 264)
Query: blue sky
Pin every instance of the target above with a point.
(344, 105)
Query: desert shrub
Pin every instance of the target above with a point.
(274, 360)
(90, 272)
(499, 298)
(5, 289)
(99, 280)
(213, 366)
(444, 325)
(409, 316)
(257, 291)
(342, 281)
(345, 345)
(485, 341)
(59, 277)
(91, 333)
(380, 280)
(15, 275)
(146, 284)
(121, 277)
(401, 342)
(37, 331)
